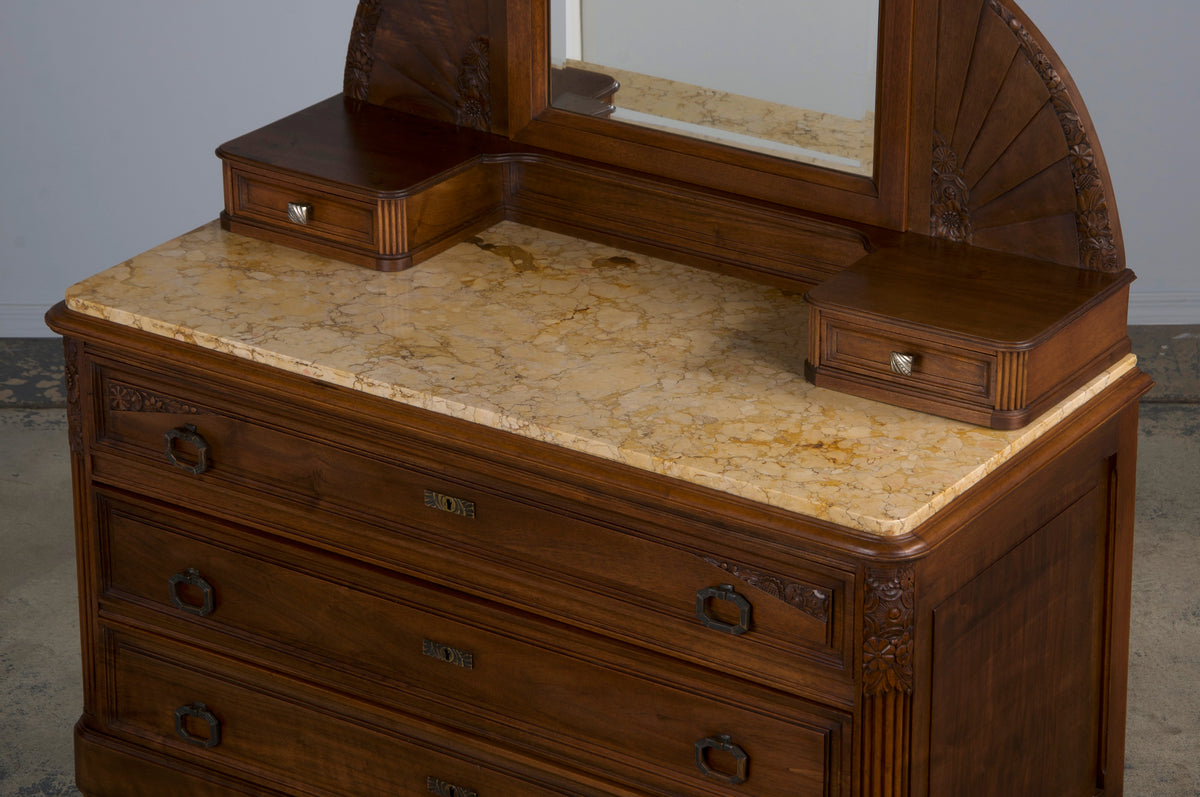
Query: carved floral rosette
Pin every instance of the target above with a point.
(888, 619)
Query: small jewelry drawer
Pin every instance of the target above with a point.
(983, 337)
(302, 209)
(906, 361)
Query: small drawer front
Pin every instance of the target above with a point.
(302, 209)
(543, 558)
(907, 362)
(467, 664)
(215, 715)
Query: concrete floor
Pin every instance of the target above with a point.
(40, 694)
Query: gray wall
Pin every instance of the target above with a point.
(110, 111)
(109, 114)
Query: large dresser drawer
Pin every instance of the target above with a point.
(465, 663)
(463, 530)
(213, 713)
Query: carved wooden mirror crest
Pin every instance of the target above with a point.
(969, 93)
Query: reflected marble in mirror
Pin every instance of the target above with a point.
(794, 79)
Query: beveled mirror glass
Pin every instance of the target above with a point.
(794, 80)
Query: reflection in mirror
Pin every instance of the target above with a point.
(791, 79)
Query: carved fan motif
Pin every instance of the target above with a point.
(428, 57)
(1015, 167)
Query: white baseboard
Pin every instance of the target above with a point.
(1145, 309)
(1163, 308)
(24, 321)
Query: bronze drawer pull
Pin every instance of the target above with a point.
(187, 434)
(192, 576)
(459, 658)
(445, 789)
(902, 364)
(448, 503)
(723, 593)
(725, 744)
(200, 712)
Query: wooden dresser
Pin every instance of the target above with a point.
(512, 525)
(554, 514)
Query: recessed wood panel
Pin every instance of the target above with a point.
(1017, 666)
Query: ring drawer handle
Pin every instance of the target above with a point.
(192, 576)
(902, 364)
(724, 592)
(187, 434)
(724, 743)
(444, 789)
(200, 712)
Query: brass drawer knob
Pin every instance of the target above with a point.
(902, 364)
(299, 213)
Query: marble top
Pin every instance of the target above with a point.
(671, 369)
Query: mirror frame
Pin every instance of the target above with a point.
(879, 200)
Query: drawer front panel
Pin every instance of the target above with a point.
(335, 218)
(544, 558)
(939, 369)
(209, 712)
(468, 664)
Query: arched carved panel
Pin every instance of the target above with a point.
(427, 57)
(1016, 166)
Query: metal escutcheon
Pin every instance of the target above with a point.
(187, 434)
(724, 592)
(443, 789)
(192, 576)
(200, 712)
(724, 743)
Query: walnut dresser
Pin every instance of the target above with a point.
(552, 518)
(489, 447)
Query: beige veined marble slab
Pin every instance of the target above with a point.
(675, 370)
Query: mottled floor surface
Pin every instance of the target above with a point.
(40, 694)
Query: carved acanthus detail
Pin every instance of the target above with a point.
(71, 350)
(473, 106)
(360, 54)
(810, 600)
(1097, 250)
(888, 620)
(950, 216)
(123, 398)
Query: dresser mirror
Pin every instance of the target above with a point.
(803, 104)
(792, 80)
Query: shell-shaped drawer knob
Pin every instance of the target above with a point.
(299, 212)
(902, 364)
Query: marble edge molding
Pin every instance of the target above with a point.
(803, 504)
